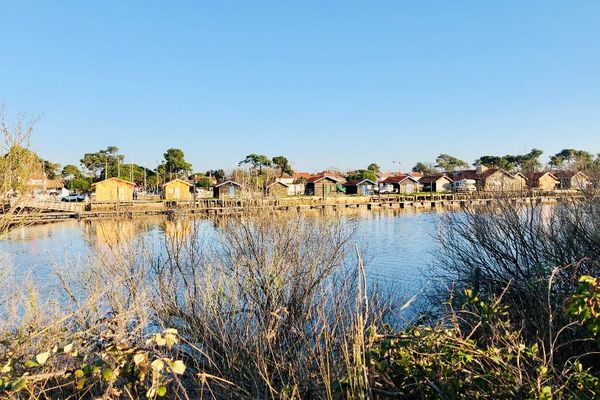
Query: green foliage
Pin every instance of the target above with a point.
(424, 168)
(101, 364)
(51, 169)
(449, 163)
(363, 174)
(95, 163)
(80, 185)
(524, 162)
(257, 161)
(283, 164)
(71, 171)
(218, 174)
(203, 181)
(572, 159)
(374, 167)
(585, 304)
(175, 162)
(477, 353)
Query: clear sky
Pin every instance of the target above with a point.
(325, 83)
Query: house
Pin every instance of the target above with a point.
(491, 179)
(322, 185)
(403, 183)
(114, 189)
(227, 189)
(278, 189)
(178, 189)
(521, 181)
(571, 180)
(545, 181)
(436, 183)
(363, 187)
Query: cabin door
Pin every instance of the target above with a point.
(231, 191)
(177, 191)
(363, 189)
(120, 193)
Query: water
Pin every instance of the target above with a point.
(399, 246)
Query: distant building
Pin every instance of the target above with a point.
(571, 180)
(278, 189)
(436, 183)
(545, 181)
(113, 189)
(227, 189)
(321, 186)
(178, 190)
(403, 183)
(363, 187)
(491, 179)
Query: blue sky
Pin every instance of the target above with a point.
(325, 83)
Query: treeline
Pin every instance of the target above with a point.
(571, 159)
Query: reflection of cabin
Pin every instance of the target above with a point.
(570, 180)
(363, 187)
(114, 189)
(278, 189)
(321, 186)
(403, 183)
(178, 189)
(436, 183)
(226, 189)
(545, 181)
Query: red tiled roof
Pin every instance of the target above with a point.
(300, 175)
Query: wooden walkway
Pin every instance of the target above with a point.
(44, 212)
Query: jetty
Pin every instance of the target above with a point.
(33, 212)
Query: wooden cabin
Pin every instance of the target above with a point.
(571, 180)
(403, 183)
(278, 189)
(436, 183)
(363, 187)
(113, 189)
(544, 181)
(227, 189)
(178, 190)
(321, 186)
(492, 179)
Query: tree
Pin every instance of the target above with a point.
(175, 162)
(257, 161)
(374, 167)
(283, 164)
(575, 159)
(218, 174)
(79, 185)
(71, 171)
(51, 169)
(203, 181)
(424, 168)
(449, 163)
(363, 174)
(98, 163)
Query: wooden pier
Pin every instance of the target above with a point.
(54, 213)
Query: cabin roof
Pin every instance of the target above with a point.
(227, 182)
(114, 179)
(177, 180)
(356, 182)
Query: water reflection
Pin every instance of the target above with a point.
(398, 243)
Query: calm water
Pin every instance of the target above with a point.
(399, 246)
